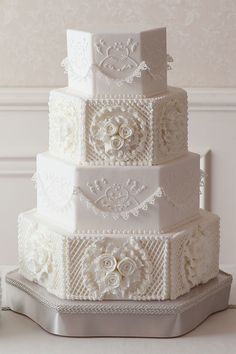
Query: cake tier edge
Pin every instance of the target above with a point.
(129, 197)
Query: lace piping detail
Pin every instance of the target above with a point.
(169, 61)
(121, 208)
(119, 82)
(61, 206)
(135, 211)
(203, 176)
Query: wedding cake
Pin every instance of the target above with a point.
(117, 214)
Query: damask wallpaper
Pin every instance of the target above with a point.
(201, 37)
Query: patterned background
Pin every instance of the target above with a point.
(201, 37)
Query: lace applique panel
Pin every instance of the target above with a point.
(41, 255)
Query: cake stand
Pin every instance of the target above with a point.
(117, 318)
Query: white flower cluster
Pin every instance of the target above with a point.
(114, 270)
(121, 271)
(118, 135)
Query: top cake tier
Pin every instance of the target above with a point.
(117, 61)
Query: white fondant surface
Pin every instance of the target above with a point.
(117, 60)
(83, 198)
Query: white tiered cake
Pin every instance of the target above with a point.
(118, 192)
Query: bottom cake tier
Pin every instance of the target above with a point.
(118, 265)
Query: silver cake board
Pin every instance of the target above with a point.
(117, 318)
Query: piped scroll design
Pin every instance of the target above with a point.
(117, 57)
(118, 201)
(117, 61)
(115, 200)
(94, 69)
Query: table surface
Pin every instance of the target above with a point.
(20, 335)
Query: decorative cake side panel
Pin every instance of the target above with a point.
(120, 132)
(118, 266)
(67, 126)
(41, 254)
(93, 266)
(170, 126)
(195, 255)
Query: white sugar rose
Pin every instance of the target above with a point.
(118, 133)
(125, 131)
(112, 280)
(126, 266)
(117, 142)
(110, 128)
(106, 262)
(120, 270)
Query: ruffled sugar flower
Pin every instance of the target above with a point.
(40, 257)
(172, 133)
(196, 257)
(64, 125)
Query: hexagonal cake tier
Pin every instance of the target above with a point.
(143, 132)
(117, 61)
(129, 197)
(114, 265)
